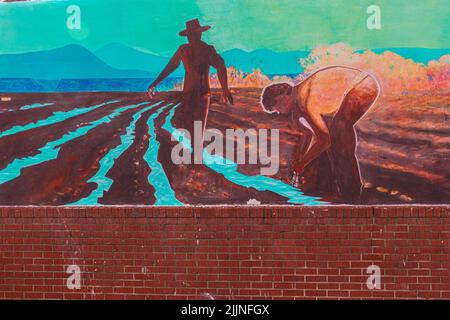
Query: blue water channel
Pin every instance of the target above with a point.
(164, 194)
(51, 149)
(107, 162)
(229, 170)
(56, 117)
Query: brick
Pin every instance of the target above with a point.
(291, 253)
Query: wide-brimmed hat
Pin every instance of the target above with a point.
(193, 26)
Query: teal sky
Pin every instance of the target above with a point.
(281, 25)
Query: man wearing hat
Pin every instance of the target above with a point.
(197, 58)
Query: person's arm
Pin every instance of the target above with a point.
(173, 64)
(218, 63)
(321, 140)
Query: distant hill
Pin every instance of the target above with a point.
(123, 57)
(419, 55)
(117, 67)
(72, 61)
(269, 62)
(277, 63)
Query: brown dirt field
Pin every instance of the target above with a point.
(403, 151)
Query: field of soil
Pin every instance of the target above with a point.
(102, 153)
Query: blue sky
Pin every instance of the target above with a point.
(282, 25)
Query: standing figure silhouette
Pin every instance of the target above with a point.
(197, 57)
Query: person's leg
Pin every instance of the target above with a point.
(195, 123)
(182, 117)
(206, 101)
(345, 163)
(344, 140)
(196, 109)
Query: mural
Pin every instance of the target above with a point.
(211, 102)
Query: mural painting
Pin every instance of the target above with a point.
(215, 102)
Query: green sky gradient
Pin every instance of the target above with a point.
(280, 25)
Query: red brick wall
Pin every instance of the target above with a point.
(224, 253)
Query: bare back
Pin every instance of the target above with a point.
(323, 93)
(197, 59)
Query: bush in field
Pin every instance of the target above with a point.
(240, 79)
(396, 74)
(439, 72)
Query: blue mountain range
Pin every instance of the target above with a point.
(75, 68)
(123, 57)
(270, 62)
(72, 61)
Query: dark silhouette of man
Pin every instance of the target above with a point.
(197, 58)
